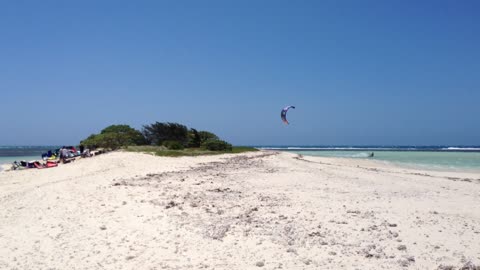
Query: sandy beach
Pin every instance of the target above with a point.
(260, 210)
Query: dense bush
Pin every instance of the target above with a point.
(106, 140)
(194, 140)
(114, 137)
(173, 136)
(157, 133)
(206, 135)
(130, 135)
(173, 145)
(217, 145)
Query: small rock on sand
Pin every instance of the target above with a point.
(307, 261)
(406, 261)
(260, 264)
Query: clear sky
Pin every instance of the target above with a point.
(359, 72)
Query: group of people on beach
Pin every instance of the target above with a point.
(65, 154)
(69, 153)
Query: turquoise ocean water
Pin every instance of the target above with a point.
(426, 157)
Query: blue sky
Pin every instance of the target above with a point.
(359, 72)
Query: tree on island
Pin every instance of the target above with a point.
(127, 134)
(194, 139)
(174, 136)
(157, 133)
(114, 137)
(206, 136)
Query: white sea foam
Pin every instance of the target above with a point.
(461, 149)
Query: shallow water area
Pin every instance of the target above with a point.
(443, 159)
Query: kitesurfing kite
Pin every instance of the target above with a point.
(284, 113)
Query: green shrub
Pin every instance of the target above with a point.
(217, 145)
(173, 145)
(126, 134)
(194, 139)
(207, 136)
(157, 133)
(114, 137)
(106, 140)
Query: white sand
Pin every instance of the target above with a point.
(252, 211)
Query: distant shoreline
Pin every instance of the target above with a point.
(436, 158)
(446, 160)
(441, 148)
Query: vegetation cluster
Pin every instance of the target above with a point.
(165, 139)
